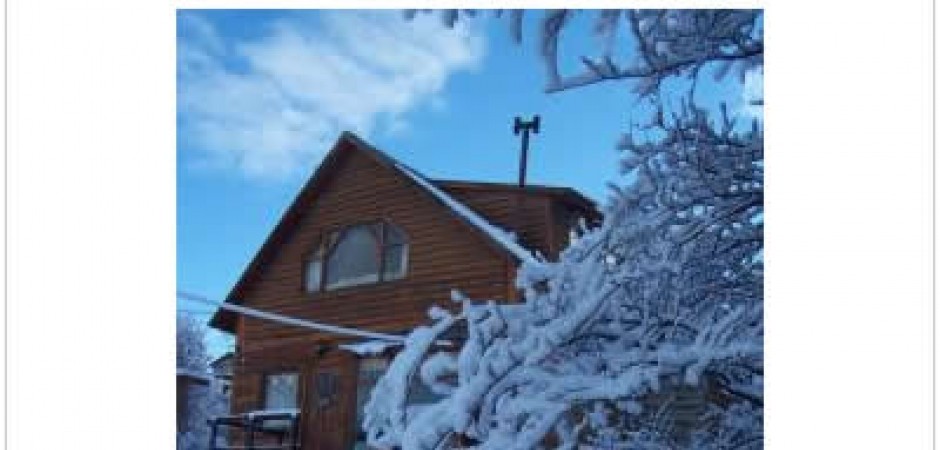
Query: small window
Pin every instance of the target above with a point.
(280, 391)
(370, 370)
(314, 270)
(357, 255)
(327, 384)
(394, 253)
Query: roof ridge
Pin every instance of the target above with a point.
(499, 183)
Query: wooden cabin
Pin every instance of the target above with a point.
(371, 243)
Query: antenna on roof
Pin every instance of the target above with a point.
(520, 125)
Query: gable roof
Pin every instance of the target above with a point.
(500, 239)
(196, 375)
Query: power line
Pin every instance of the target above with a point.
(190, 302)
(194, 312)
(280, 318)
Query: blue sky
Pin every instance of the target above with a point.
(262, 95)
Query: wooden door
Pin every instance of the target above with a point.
(330, 391)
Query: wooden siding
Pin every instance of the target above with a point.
(515, 210)
(541, 215)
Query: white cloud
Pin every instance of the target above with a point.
(272, 105)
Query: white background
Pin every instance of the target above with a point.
(90, 222)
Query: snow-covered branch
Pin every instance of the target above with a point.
(665, 43)
(667, 291)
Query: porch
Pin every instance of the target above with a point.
(257, 430)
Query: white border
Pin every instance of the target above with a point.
(92, 205)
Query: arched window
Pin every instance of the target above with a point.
(359, 254)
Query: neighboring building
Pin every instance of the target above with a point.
(221, 369)
(371, 243)
(187, 382)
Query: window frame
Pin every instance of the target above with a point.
(326, 244)
(263, 400)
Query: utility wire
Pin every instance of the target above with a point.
(280, 318)
(194, 312)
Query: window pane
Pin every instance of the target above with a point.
(326, 389)
(354, 260)
(393, 236)
(370, 370)
(314, 268)
(394, 262)
(280, 391)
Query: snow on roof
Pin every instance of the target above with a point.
(261, 413)
(500, 236)
(204, 376)
(369, 348)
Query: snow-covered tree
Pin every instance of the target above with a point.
(667, 43)
(204, 401)
(665, 296)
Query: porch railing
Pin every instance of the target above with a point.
(260, 430)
